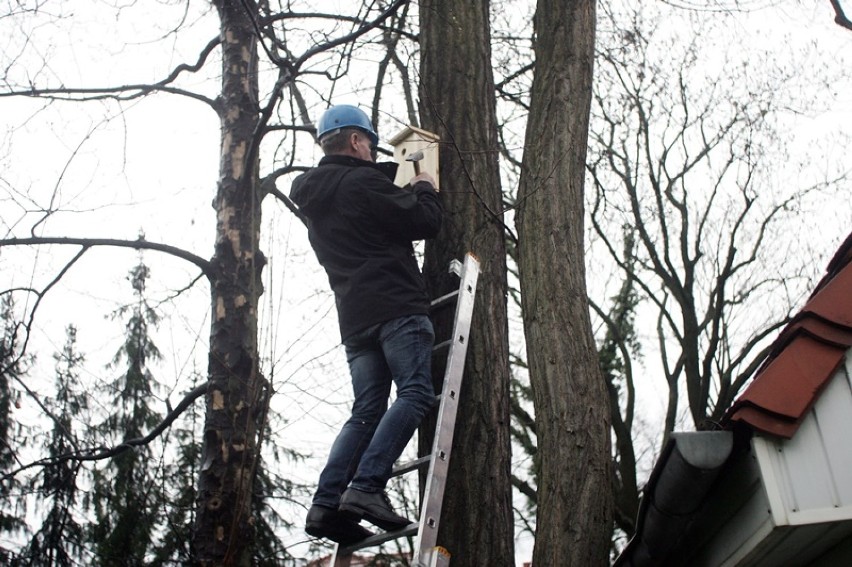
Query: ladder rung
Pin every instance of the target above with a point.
(409, 530)
(444, 300)
(411, 465)
(426, 550)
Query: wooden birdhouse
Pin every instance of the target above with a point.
(410, 140)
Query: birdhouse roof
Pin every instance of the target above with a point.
(414, 132)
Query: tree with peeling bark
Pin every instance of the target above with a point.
(237, 392)
(238, 395)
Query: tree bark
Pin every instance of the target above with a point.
(571, 404)
(237, 391)
(457, 102)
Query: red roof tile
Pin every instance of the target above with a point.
(832, 301)
(804, 358)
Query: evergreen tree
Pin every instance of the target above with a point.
(267, 549)
(619, 346)
(179, 478)
(13, 365)
(126, 495)
(180, 475)
(59, 540)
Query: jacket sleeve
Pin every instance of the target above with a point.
(410, 213)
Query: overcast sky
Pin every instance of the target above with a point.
(115, 169)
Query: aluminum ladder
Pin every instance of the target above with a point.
(426, 551)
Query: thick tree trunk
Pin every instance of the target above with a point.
(572, 411)
(237, 392)
(457, 102)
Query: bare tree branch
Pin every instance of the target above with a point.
(840, 15)
(86, 243)
(28, 325)
(126, 92)
(288, 70)
(268, 185)
(101, 453)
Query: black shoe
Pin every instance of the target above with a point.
(375, 507)
(331, 524)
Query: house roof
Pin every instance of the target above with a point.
(803, 359)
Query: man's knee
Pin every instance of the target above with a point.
(422, 396)
(369, 416)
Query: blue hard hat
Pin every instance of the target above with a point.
(345, 116)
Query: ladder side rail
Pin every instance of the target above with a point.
(439, 458)
(340, 558)
(436, 478)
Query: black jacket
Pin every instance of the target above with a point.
(361, 227)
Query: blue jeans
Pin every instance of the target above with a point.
(371, 440)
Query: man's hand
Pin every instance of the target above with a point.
(424, 176)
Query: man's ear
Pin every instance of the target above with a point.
(353, 141)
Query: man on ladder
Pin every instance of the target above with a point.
(361, 227)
